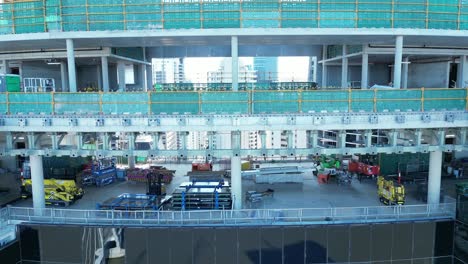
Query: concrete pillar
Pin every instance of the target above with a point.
(404, 74)
(142, 79)
(344, 69)
(54, 140)
(99, 77)
(71, 66)
(64, 76)
(365, 69)
(397, 64)
(368, 138)
(131, 162)
(37, 179)
(236, 182)
(313, 138)
(149, 77)
(324, 67)
(105, 74)
(155, 145)
(235, 63)
(263, 139)
(435, 175)
(121, 75)
(462, 72)
(4, 67)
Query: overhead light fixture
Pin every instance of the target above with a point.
(52, 62)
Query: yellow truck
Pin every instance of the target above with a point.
(57, 192)
(390, 192)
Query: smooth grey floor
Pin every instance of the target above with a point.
(307, 195)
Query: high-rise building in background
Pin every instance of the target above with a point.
(168, 70)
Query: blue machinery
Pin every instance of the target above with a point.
(131, 202)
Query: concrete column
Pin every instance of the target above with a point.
(149, 77)
(236, 182)
(9, 140)
(64, 76)
(37, 179)
(121, 75)
(105, 141)
(142, 80)
(155, 145)
(397, 64)
(324, 67)
(344, 69)
(131, 162)
(365, 69)
(342, 139)
(131, 146)
(235, 63)
(105, 74)
(263, 139)
(313, 138)
(404, 74)
(418, 136)
(99, 77)
(435, 175)
(462, 72)
(54, 140)
(290, 135)
(4, 67)
(368, 138)
(71, 66)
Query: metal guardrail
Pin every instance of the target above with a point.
(235, 217)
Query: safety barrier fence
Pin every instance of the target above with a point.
(93, 15)
(332, 215)
(244, 102)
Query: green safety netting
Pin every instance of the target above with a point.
(79, 15)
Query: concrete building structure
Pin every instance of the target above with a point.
(406, 57)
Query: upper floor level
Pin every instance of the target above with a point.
(41, 16)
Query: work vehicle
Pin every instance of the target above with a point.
(57, 192)
(102, 172)
(390, 192)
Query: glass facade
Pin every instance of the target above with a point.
(95, 15)
(411, 242)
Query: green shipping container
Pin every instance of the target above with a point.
(10, 83)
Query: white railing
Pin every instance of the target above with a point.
(334, 215)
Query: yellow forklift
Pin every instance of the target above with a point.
(390, 192)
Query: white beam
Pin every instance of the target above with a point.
(235, 63)
(121, 76)
(462, 72)
(397, 63)
(64, 76)
(236, 182)
(71, 66)
(365, 69)
(37, 181)
(344, 69)
(404, 74)
(324, 67)
(105, 73)
(435, 175)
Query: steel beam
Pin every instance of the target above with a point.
(219, 123)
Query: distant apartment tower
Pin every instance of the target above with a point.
(168, 70)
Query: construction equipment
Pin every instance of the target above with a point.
(202, 196)
(362, 169)
(132, 202)
(102, 172)
(57, 192)
(141, 175)
(390, 192)
(155, 185)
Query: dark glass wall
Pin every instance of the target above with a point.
(415, 242)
